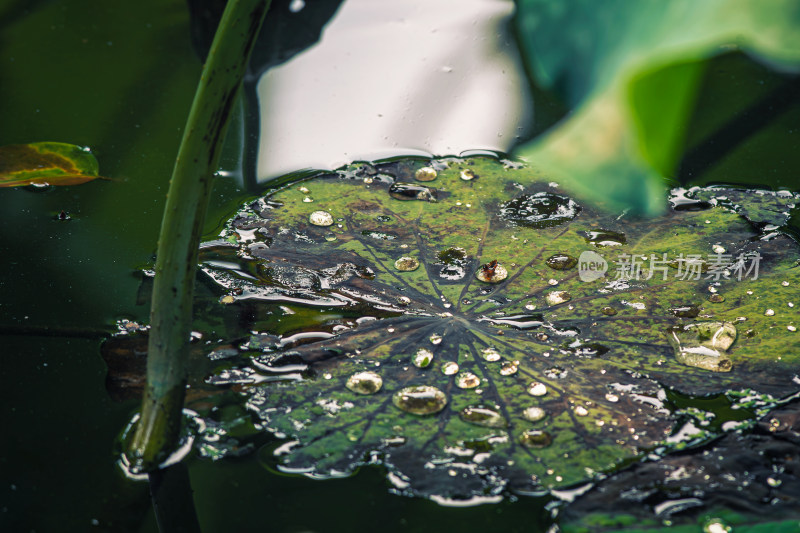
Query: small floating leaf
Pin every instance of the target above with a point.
(46, 163)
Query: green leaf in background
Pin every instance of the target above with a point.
(436, 319)
(46, 163)
(631, 72)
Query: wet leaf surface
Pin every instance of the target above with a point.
(740, 472)
(46, 163)
(465, 383)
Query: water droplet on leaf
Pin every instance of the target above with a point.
(406, 264)
(508, 369)
(603, 238)
(480, 415)
(534, 414)
(467, 174)
(467, 380)
(422, 358)
(321, 218)
(561, 262)
(539, 210)
(490, 354)
(686, 311)
(425, 174)
(557, 297)
(703, 344)
(420, 400)
(409, 191)
(365, 382)
(535, 438)
(449, 368)
(537, 388)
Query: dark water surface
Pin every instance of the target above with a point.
(119, 78)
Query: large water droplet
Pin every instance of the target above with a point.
(467, 175)
(467, 380)
(557, 297)
(534, 414)
(686, 311)
(586, 349)
(703, 344)
(406, 264)
(518, 321)
(561, 262)
(683, 200)
(508, 368)
(425, 174)
(321, 218)
(378, 235)
(608, 311)
(449, 368)
(365, 383)
(556, 372)
(454, 260)
(537, 388)
(480, 415)
(422, 358)
(490, 354)
(452, 272)
(420, 400)
(539, 210)
(409, 191)
(535, 438)
(716, 525)
(603, 238)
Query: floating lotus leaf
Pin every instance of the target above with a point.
(46, 163)
(465, 388)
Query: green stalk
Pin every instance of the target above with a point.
(176, 260)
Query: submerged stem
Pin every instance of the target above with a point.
(181, 226)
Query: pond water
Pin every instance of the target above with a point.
(120, 79)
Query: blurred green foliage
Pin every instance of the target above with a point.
(632, 74)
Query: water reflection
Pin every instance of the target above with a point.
(414, 77)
